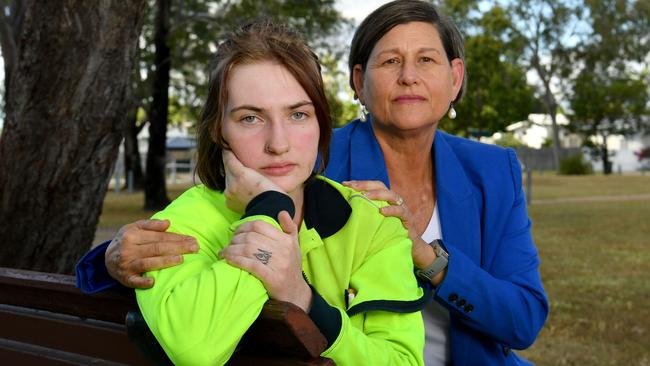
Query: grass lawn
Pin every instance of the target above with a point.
(595, 267)
(553, 186)
(596, 271)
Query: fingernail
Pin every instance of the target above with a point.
(178, 258)
(194, 247)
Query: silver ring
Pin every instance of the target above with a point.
(399, 201)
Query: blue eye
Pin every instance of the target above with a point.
(249, 119)
(299, 116)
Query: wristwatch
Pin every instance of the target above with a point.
(438, 265)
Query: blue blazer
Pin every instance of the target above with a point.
(492, 288)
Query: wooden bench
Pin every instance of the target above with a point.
(46, 320)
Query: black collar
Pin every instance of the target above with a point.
(326, 210)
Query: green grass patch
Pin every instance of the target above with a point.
(596, 270)
(557, 186)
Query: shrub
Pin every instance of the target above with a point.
(575, 165)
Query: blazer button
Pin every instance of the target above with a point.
(506, 351)
(453, 297)
(461, 302)
(469, 308)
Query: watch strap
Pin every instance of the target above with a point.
(438, 264)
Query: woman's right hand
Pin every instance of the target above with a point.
(144, 246)
(242, 183)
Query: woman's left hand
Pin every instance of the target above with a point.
(243, 183)
(377, 190)
(273, 257)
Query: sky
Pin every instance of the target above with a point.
(358, 9)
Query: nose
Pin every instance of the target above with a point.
(277, 141)
(408, 74)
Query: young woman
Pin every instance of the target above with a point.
(302, 238)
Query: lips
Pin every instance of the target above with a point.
(278, 169)
(409, 98)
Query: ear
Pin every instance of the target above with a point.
(457, 75)
(357, 79)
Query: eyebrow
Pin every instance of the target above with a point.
(424, 49)
(253, 108)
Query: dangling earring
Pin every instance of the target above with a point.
(362, 114)
(452, 112)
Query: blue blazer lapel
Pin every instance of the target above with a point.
(460, 218)
(366, 160)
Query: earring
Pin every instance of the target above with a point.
(452, 112)
(363, 113)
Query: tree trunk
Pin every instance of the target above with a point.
(65, 117)
(604, 155)
(557, 147)
(132, 161)
(155, 192)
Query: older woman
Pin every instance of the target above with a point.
(461, 201)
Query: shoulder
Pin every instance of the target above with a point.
(483, 162)
(474, 152)
(354, 198)
(191, 212)
(341, 136)
(196, 198)
(364, 215)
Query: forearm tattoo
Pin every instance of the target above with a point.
(263, 256)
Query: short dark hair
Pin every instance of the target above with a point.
(256, 42)
(392, 14)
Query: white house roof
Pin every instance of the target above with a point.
(538, 119)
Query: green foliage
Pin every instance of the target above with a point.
(496, 94)
(610, 93)
(509, 140)
(336, 83)
(575, 165)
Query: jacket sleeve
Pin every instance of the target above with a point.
(199, 310)
(502, 297)
(91, 273)
(382, 325)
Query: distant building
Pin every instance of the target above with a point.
(537, 129)
(181, 151)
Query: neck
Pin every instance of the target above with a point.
(407, 155)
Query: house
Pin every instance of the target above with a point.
(537, 129)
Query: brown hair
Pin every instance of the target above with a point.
(392, 14)
(256, 42)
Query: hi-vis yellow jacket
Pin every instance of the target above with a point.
(200, 309)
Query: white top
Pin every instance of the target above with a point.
(436, 317)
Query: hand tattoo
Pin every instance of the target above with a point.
(263, 256)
